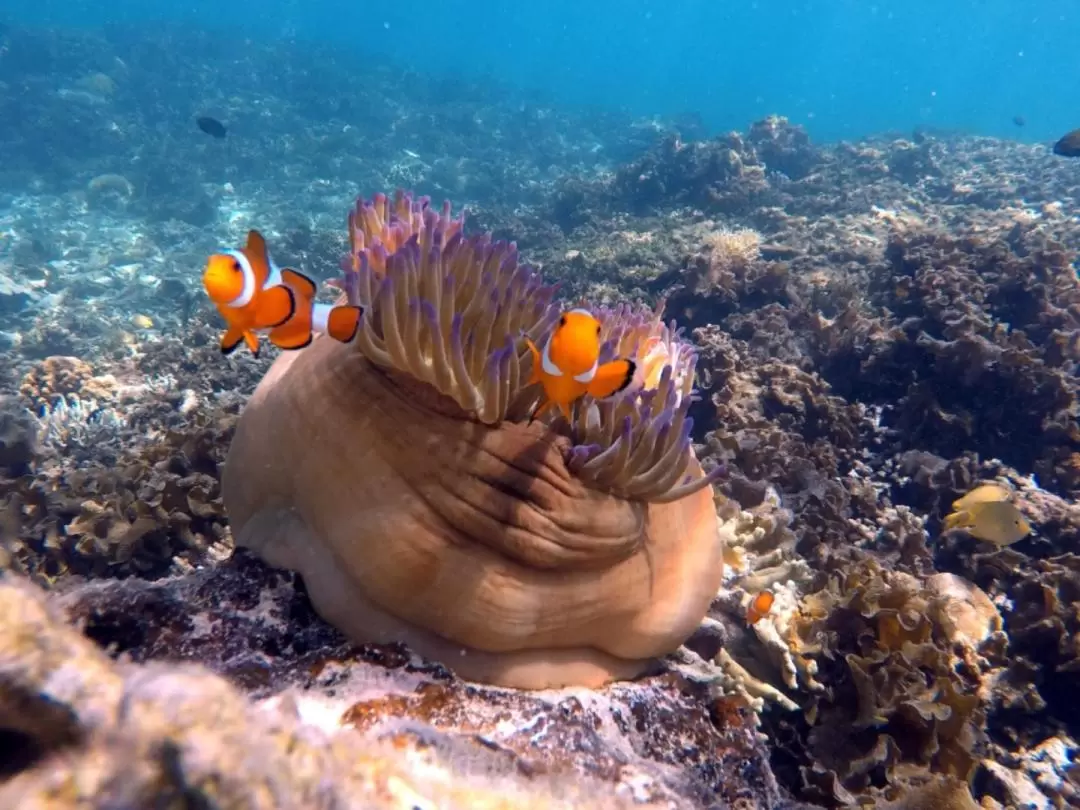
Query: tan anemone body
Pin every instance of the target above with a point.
(396, 475)
(472, 544)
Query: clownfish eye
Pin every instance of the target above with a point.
(236, 267)
(562, 321)
(598, 330)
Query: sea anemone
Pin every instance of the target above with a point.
(399, 475)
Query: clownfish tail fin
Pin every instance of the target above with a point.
(611, 378)
(343, 322)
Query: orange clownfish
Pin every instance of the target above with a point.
(759, 607)
(568, 368)
(255, 297)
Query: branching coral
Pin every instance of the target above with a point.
(76, 425)
(406, 487)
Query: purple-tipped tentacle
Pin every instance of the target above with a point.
(580, 454)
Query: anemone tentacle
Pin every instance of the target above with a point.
(453, 310)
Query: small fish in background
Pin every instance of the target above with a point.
(140, 321)
(987, 514)
(1068, 145)
(256, 297)
(759, 606)
(1019, 120)
(568, 367)
(211, 126)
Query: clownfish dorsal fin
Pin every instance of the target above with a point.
(257, 254)
(301, 283)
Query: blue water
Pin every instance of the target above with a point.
(842, 68)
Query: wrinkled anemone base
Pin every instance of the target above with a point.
(472, 544)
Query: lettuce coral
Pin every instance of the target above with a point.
(398, 476)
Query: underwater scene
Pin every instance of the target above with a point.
(487, 405)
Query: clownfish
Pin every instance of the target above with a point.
(255, 297)
(759, 606)
(568, 367)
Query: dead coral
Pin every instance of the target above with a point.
(96, 734)
(730, 174)
(79, 429)
(723, 276)
(784, 147)
(723, 175)
(1041, 598)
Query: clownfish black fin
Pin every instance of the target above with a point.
(611, 378)
(231, 340)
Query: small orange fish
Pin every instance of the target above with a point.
(568, 366)
(255, 297)
(759, 607)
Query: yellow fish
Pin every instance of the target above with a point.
(997, 522)
(984, 493)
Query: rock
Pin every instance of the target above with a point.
(14, 297)
(1013, 788)
(229, 691)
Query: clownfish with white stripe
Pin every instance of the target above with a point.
(256, 297)
(568, 368)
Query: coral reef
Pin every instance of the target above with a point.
(418, 509)
(156, 510)
(906, 330)
(880, 325)
(980, 349)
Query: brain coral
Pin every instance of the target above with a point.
(399, 476)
